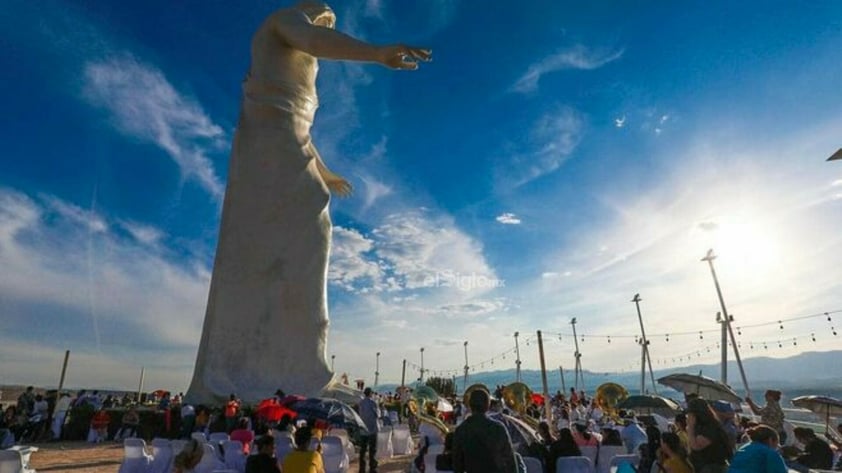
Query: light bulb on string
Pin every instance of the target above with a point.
(780, 345)
(739, 331)
(668, 337)
(609, 339)
(701, 336)
(751, 346)
(780, 325)
(795, 342)
(813, 336)
(765, 347)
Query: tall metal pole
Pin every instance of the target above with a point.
(377, 371)
(578, 370)
(547, 411)
(728, 319)
(403, 374)
(647, 357)
(723, 348)
(140, 385)
(517, 358)
(63, 372)
(563, 387)
(421, 379)
(465, 380)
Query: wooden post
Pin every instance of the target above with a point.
(403, 374)
(547, 410)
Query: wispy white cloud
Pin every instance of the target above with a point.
(575, 57)
(64, 263)
(508, 218)
(552, 140)
(143, 104)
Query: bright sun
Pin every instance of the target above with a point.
(751, 249)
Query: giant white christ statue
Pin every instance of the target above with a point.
(266, 320)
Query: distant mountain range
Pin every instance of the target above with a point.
(809, 372)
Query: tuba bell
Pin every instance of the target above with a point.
(608, 395)
(424, 405)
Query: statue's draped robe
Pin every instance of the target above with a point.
(266, 321)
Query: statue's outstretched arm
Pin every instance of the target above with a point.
(326, 43)
(336, 183)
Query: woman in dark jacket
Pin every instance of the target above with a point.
(710, 449)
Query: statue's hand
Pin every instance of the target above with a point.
(339, 185)
(403, 57)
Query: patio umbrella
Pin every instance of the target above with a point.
(821, 405)
(336, 413)
(521, 433)
(707, 388)
(650, 403)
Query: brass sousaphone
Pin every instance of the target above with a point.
(608, 395)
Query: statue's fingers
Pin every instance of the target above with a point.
(421, 54)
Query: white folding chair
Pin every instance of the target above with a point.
(574, 465)
(401, 440)
(162, 456)
(384, 444)
(533, 465)
(436, 449)
(346, 440)
(234, 459)
(617, 460)
(11, 461)
(199, 436)
(590, 452)
(217, 438)
(135, 458)
(606, 453)
(177, 446)
(209, 461)
(333, 455)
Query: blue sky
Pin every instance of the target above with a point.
(558, 157)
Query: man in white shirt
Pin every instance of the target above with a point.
(62, 406)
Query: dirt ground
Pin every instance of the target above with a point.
(82, 457)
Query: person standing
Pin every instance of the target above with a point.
(482, 445)
(710, 449)
(62, 406)
(370, 414)
(771, 414)
(302, 459)
(232, 409)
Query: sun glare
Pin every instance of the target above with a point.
(751, 249)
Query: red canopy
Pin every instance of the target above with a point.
(271, 410)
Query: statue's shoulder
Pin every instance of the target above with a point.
(287, 17)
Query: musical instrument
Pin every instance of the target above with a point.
(424, 405)
(608, 395)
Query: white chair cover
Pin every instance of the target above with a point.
(533, 465)
(618, 460)
(199, 436)
(606, 453)
(590, 452)
(282, 447)
(11, 461)
(393, 416)
(235, 459)
(401, 440)
(162, 456)
(436, 449)
(217, 438)
(333, 455)
(135, 458)
(384, 444)
(346, 440)
(177, 446)
(574, 465)
(209, 462)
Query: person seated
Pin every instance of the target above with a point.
(760, 455)
(243, 434)
(99, 426)
(444, 460)
(817, 453)
(130, 423)
(302, 460)
(611, 437)
(189, 457)
(564, 446)
(264, 461)
(672, 455)
(583, 436)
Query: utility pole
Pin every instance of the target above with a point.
(421, 378)
(517, 358)
(578, 369)
(723, 348)
(563, 387)
(403, 374)
(547, 411)
(377, 371)
(727, 319)
(465, 380)
(646, 356)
